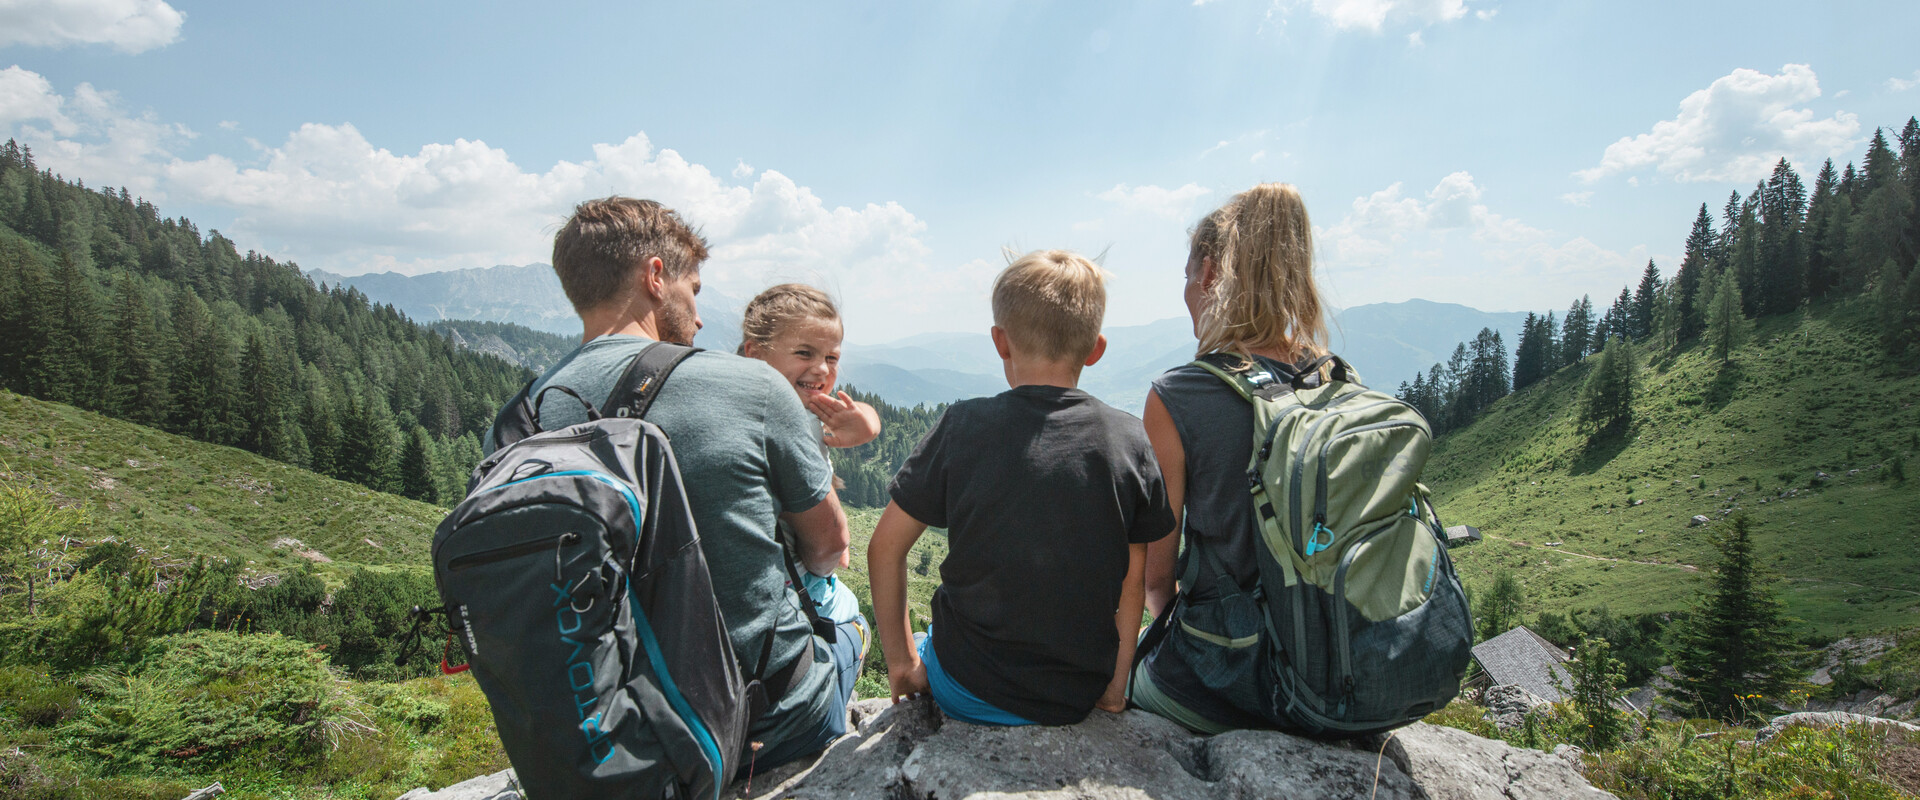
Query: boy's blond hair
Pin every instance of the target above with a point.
(1051, 303)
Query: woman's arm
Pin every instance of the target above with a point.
(1162, 554)
(887, 573)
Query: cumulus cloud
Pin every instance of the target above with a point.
(1373, 15)
(328, 197)
(1166, 203)
(1446, 244)
(1903, 84)
(1734, 130)
(131, 26)
(86, 135)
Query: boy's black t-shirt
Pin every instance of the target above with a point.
(1040, 489)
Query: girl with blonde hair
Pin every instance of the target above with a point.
(1251, 293)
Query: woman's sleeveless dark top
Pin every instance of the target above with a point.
(1216, 432)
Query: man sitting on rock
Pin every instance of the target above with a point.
(748, 453)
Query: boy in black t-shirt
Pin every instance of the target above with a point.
(1049, 498)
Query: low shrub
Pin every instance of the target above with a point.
(32, 695)
(208, 694)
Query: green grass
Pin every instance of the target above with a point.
(1810, 393)
(182, 498)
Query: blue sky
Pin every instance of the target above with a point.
(1504, 155)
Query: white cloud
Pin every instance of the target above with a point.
(1257, 157)
(229, 125)
(1576, 198)
(329, 198)
(1373, 15)
(1414, 40)
(1398, 246)
(1903, 84)
(742, 170)
(86, 135)
(1170, 204)
(131, 26)
(1734, 130)
(1486, 14)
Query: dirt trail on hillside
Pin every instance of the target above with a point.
(1687, 567)
(1683, 567)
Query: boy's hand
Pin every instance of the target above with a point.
(909, 682)
(849, 423)
(1115, 698)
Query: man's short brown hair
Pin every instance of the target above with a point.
(1051, 303)
(605, 240)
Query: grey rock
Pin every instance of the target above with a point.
(498, 786)
(1451, 764)
(1829, 718)
(1569, 754)
(1699, 520)
(911, 751)
(1508, 705)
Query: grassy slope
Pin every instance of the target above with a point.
(172, 494)
(1809, 392)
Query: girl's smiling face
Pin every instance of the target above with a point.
(807, 354)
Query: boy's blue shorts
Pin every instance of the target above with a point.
(954, 700)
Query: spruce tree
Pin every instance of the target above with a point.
(1820, 220)
(1597, 676)
(1641, 320)
(1528, 365)
(1575, 331)
(417, 466)
(1727, 324)
(1780, 279)
(66, 372)
(320, 424)
(1745, 260)
(1500, 609)
(366, 453)
(264, 411)
(1669, 320)
(1878, 230)
(205, 375)
(1881, 166)
(1738, 641)
(136, 381)
(23, 316)
(1606, 399)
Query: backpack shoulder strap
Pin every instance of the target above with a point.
(516, 419)
(633, 394)
(1248, 378)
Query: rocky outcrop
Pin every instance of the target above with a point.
(911, 751)
(1829, 719)
(1508, 705)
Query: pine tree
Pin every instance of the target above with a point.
(1606, 399)
(136, 381)
(1597, 676)
(1641, 320)
(417, 466)
(1500, 610)
(1727, 325)
(1738, 642)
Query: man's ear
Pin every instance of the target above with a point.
(1099, 349)
(1001, 344)
(653, 278)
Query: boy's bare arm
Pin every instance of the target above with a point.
(893, 537)
(1127, 622)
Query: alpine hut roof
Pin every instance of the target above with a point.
(1522, 657)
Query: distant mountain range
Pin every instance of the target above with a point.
(1387, 342)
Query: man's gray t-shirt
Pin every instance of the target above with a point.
(747, 450)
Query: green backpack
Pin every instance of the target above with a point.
(1364, 622)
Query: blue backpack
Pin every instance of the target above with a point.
(573, 579)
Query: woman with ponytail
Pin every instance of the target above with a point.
(1251, 294)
